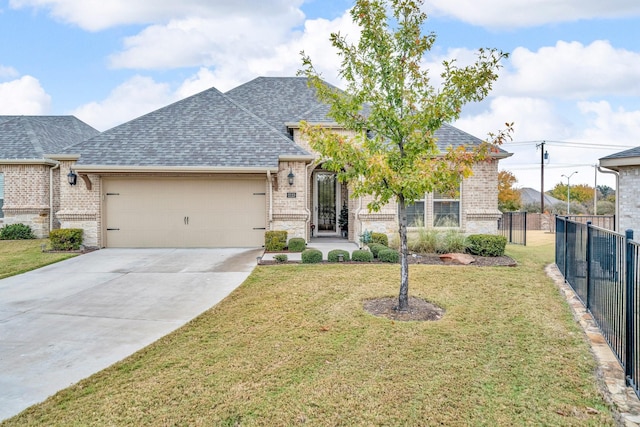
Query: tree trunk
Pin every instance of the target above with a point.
(403, 298)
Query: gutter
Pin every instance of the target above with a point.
(51, 196)
(270, 181)
(80, 169)
(47, 162)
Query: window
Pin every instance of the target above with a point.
(1, 194)
(446, 209)
(415, 214)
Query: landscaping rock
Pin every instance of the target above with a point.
(463, 259)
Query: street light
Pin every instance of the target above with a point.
(568, 191)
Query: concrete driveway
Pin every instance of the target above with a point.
(66, 321)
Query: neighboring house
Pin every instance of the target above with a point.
(626, 164)
(29, 178)
(218, 169)
(529, 196)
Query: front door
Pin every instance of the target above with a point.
(326, 196)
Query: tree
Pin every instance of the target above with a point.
(606, 193)
(580, 194)
(393, 110)
(508, 197)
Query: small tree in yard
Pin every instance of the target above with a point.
(394, 111)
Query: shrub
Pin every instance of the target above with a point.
(452, 241)
(333, 256)
(66, 239)
(362, 256)
(365, 237)
(486, 245)
(16, 232)
(424, 242)
(375, 248)
(281, 258)
(311, 256)
(297, 244)
(275, 240)
(380, 238)
(388, 255)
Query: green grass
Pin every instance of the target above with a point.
(293, 346)
(19, 256)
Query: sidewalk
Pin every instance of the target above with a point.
(323, 244)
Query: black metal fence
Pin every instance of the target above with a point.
(513, 226)
(602, 268)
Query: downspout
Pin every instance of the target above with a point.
(617, 174)
(51, 196)
(270, 180)
(306, 200)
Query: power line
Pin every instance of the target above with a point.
(569, 144)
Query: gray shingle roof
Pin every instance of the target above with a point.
(280, 100)
(531, 196)
(208, 129)
(32, 137)
(632, 152)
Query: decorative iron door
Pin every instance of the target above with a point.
(326, 206)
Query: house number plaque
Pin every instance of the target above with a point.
(291, 195)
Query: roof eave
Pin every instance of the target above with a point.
(172, 169)
(615, 163)
(48, 162)
(296, 158)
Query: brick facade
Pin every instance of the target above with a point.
(629, 199)
(27, 196)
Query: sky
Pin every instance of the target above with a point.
(572, 79)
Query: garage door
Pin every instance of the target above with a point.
(157, 212)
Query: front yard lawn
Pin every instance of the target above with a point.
(294, 346)
(19, 256)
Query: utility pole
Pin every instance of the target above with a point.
(595, 191)
(544, 155)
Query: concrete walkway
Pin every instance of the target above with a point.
(69, 320)
(324, 244)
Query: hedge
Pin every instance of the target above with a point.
(297, 244)
(311, 256)
(66, 239)
(362, 256)
(375, 248)
(16, 232)
(388, 255)
(275, 241)
(380, 238)
(333, 256)
(486, 245)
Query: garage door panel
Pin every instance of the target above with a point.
(185, 212)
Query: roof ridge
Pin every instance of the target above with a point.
(246, 110)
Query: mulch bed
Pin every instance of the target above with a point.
(429, 259)
(419, 309)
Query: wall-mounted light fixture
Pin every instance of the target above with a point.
(290, 176)
(72, 177)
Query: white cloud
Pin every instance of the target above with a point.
(533, 118)
(133, 98)
(572, 70)
(261, 49)
(609, 126)
(23, 96)
(95, 15)
(8, 72)
(524, 13)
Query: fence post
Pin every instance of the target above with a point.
(524, 238)
(588, 266)
(566, 249)
(630, 305)
(510, 227)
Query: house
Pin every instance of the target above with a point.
(218, 169)
(530, 196)
(29, 179)
(626, 165)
